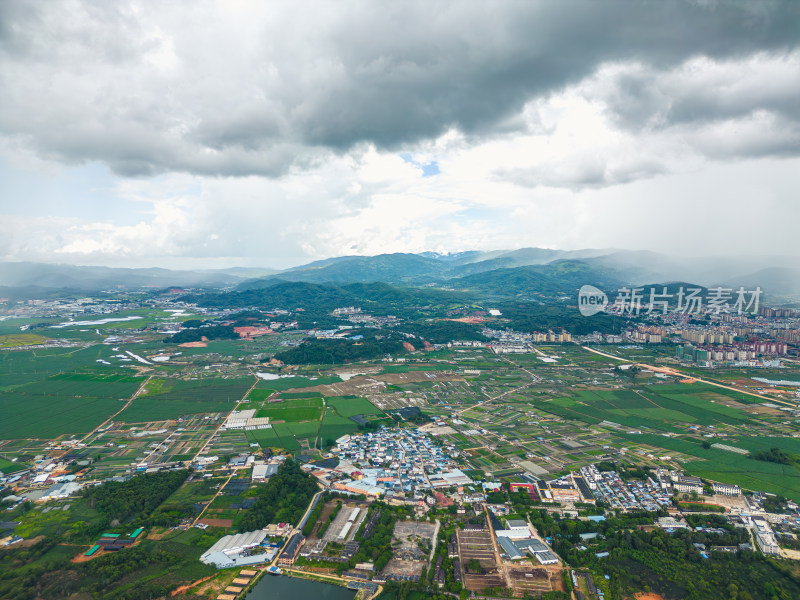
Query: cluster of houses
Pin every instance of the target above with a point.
(608, 486)
(391, 463)
(47, 480)
(507, 341)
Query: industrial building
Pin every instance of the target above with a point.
(61, 490)
(263, 472)
(247, 420)
(238, 550)
(515, 549)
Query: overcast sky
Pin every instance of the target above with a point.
(212, 134)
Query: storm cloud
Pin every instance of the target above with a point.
(235, 89)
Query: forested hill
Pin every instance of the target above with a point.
(314, 296)
(393, 268)
(331, 352)
(562, 276)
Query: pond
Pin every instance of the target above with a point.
(291, 588)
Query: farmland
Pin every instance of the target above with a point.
(27, 366)
(59, 404)
(21, 339)
(304, 420)
(348, 406)
(293, 410)
(509, 415)
(506, 418)
(729, 467)
(662, 407)
(177, 398)
(8, 466)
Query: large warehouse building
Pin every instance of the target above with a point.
(238, 550)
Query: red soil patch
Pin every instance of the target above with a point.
(186, 588)
(81, 558)
(217, 522)
(248, 333)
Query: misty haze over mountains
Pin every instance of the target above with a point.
(510, 272)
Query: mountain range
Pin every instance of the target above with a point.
(525, 272)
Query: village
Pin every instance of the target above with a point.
(468, 534)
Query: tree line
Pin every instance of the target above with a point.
(283, 499)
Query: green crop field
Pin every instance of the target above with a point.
(259, 394)
(287, 435)
(662, 407)
(730, 467)
(177, 398)
(293, 395)
(53, 391)
(299, 430)
(9, 467)
(347, 406)
(335, 425)
(83, 385)
(333, 418)
(265, 437)
(298, 409)
(26, 366)
(45, 417)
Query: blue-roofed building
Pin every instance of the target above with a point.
(509, 549)
(547, 558)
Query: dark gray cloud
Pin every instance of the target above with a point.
(700, 92)
(211, 89)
